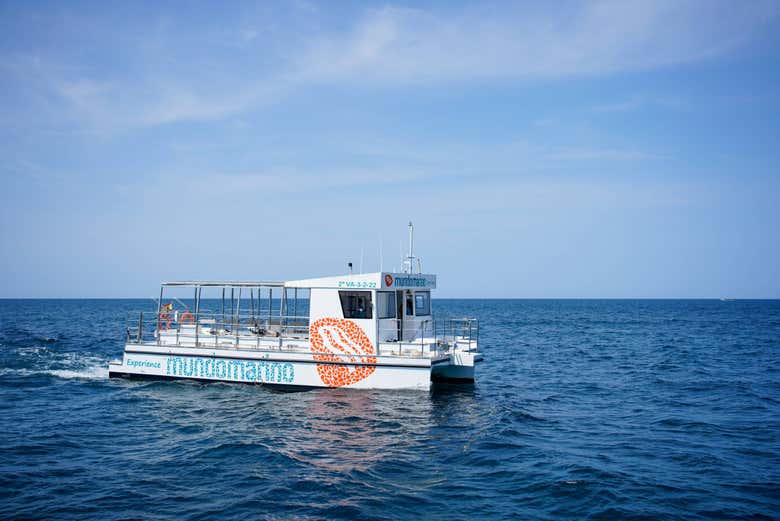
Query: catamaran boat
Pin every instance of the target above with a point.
(369, 331)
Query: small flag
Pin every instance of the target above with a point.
(168, 306)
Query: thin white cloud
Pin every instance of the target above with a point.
(294, 181)
(171, 79)
(599, 154)
(397, 163)
(416, 46)
(640, 101)
(280, 182)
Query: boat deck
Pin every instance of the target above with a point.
(291, 334)
(424, 347)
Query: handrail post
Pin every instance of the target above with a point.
(282, 305)
(257, 320)
(433, 334)
(140, 327)
(159, 318)
(422, 336)
(270, 305)
(469, 335)
(477, 341)
(401, 336)
(197, 313)
(452, 334)
(237, 317)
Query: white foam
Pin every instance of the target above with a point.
(17, 372)
(96, 372)
(32, 350)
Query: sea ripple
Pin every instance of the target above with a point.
(583, 409)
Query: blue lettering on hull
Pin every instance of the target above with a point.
(142, 363)
(243, 371)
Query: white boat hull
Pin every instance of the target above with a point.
(459, 369)
(293, 370)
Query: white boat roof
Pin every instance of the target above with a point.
(378, 280)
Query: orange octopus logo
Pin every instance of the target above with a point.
(331, 337)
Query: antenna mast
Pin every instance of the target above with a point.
(409, 260)
(411, 240)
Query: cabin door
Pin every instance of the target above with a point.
(407, 326)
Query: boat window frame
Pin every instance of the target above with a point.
(426, 308)
(389, 305)
(349, 312)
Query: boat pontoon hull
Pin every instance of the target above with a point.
(292, 369)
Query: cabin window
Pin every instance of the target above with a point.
(409, 304)
(356, 304)
(422, 303)
(385, 301)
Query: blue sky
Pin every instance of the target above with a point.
(597, 149)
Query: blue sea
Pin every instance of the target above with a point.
(582, 409)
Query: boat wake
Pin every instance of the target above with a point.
(96, 372)
(37, 361)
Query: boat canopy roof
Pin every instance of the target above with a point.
(226, 283)
(378, 280)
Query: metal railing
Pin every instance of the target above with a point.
(439, 334)
(208, 329)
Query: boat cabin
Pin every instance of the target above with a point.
(388, 307)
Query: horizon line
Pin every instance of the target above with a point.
(726, 299)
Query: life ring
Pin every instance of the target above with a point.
(165, 317)
(187, 317)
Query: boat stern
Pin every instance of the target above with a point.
(457, 367)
